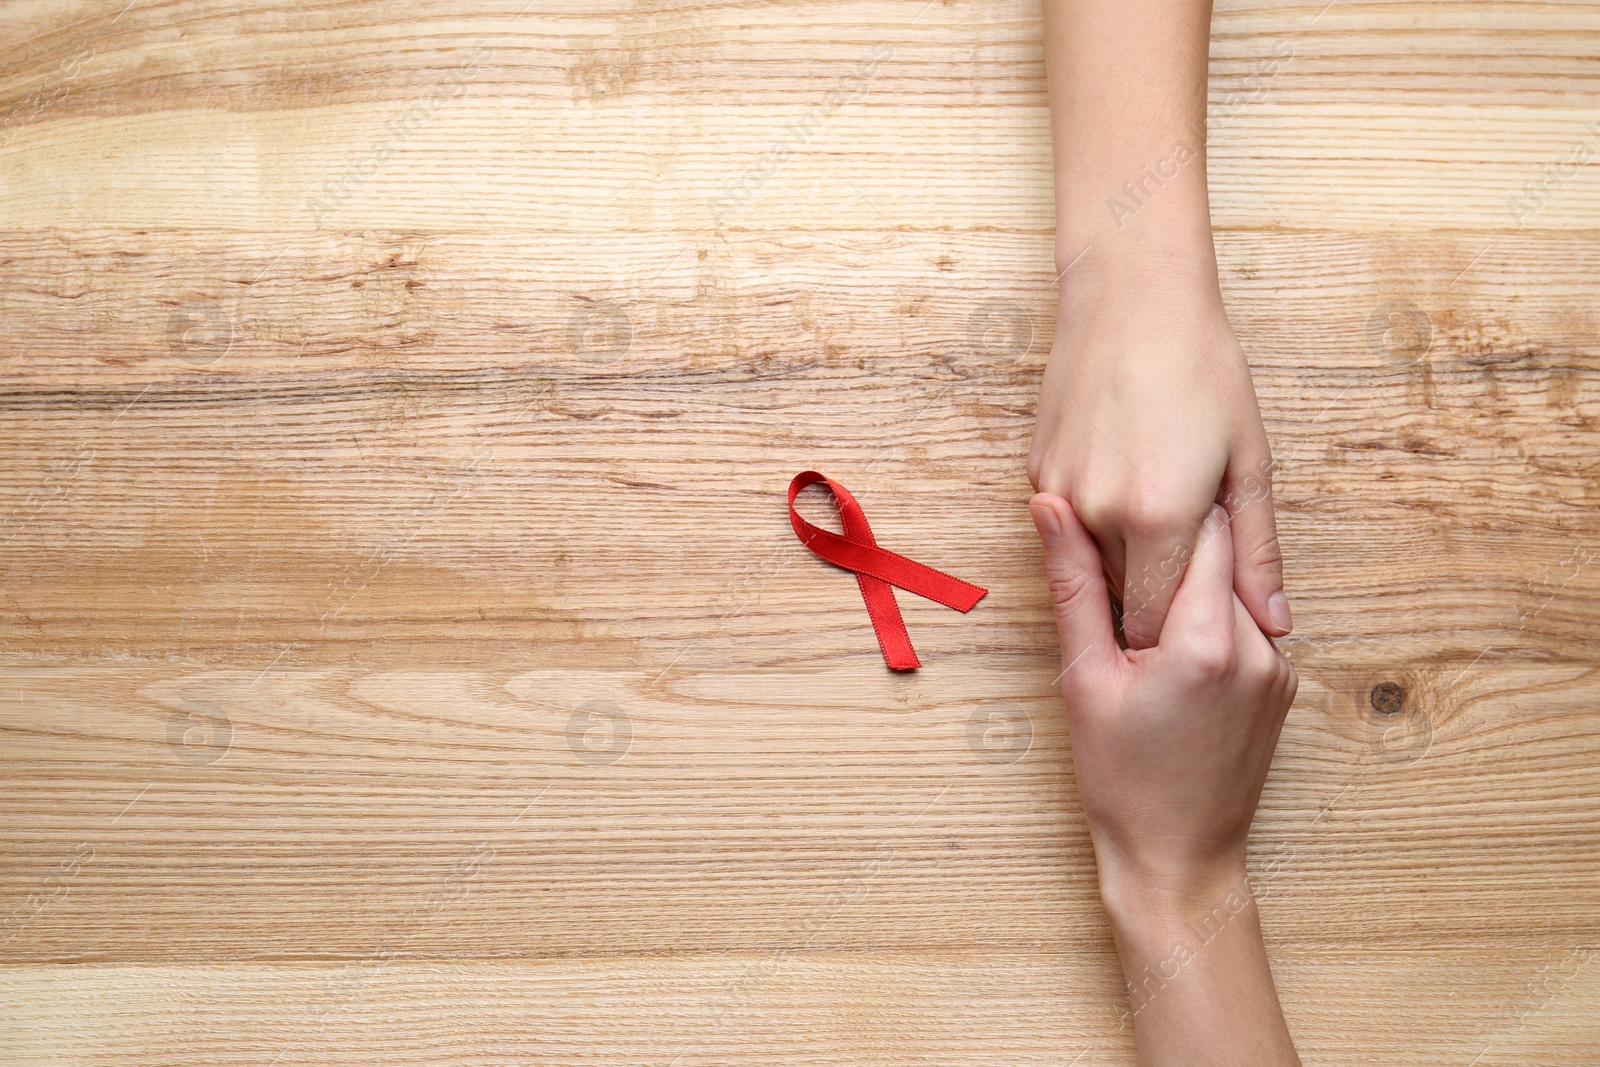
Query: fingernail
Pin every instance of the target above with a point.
(1047, 523)
(1278, 610)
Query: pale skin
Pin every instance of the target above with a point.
(1147, 412)
(1171, 747)
(1153, 469)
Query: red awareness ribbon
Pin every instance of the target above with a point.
(877, 570)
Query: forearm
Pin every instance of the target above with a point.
(1127, 82)
(1200, 988)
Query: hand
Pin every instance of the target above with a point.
(1147, 416)
(1171, 744)
(1171, 747)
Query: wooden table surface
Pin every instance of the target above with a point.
(404, 654)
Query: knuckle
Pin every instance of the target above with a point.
(1067, 589)
(1096, 509)
(1146, 514)
(1266, 554)
(1212, 659)
(1266, 666)
(1168, 535)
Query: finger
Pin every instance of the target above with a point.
(1107, 535)
(1077, 588)
(1114, 559)
(1151, 577)
(1257, 559)
(1257, 654)
(1203, 606)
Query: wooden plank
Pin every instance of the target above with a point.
(874, 163)
(798, 1007)
(329, 800)
(401, 422)
(247, 121)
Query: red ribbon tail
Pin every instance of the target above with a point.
(887, 624)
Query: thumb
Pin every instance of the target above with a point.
(1203, 608)
(1077, 585)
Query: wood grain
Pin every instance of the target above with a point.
(404, 655)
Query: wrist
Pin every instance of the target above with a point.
(1125, 210)
(1198, 897)
(1180, 247)
(1196, 970)
(1167, 261)
(1173, 282)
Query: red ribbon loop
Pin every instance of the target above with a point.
(877, 569)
